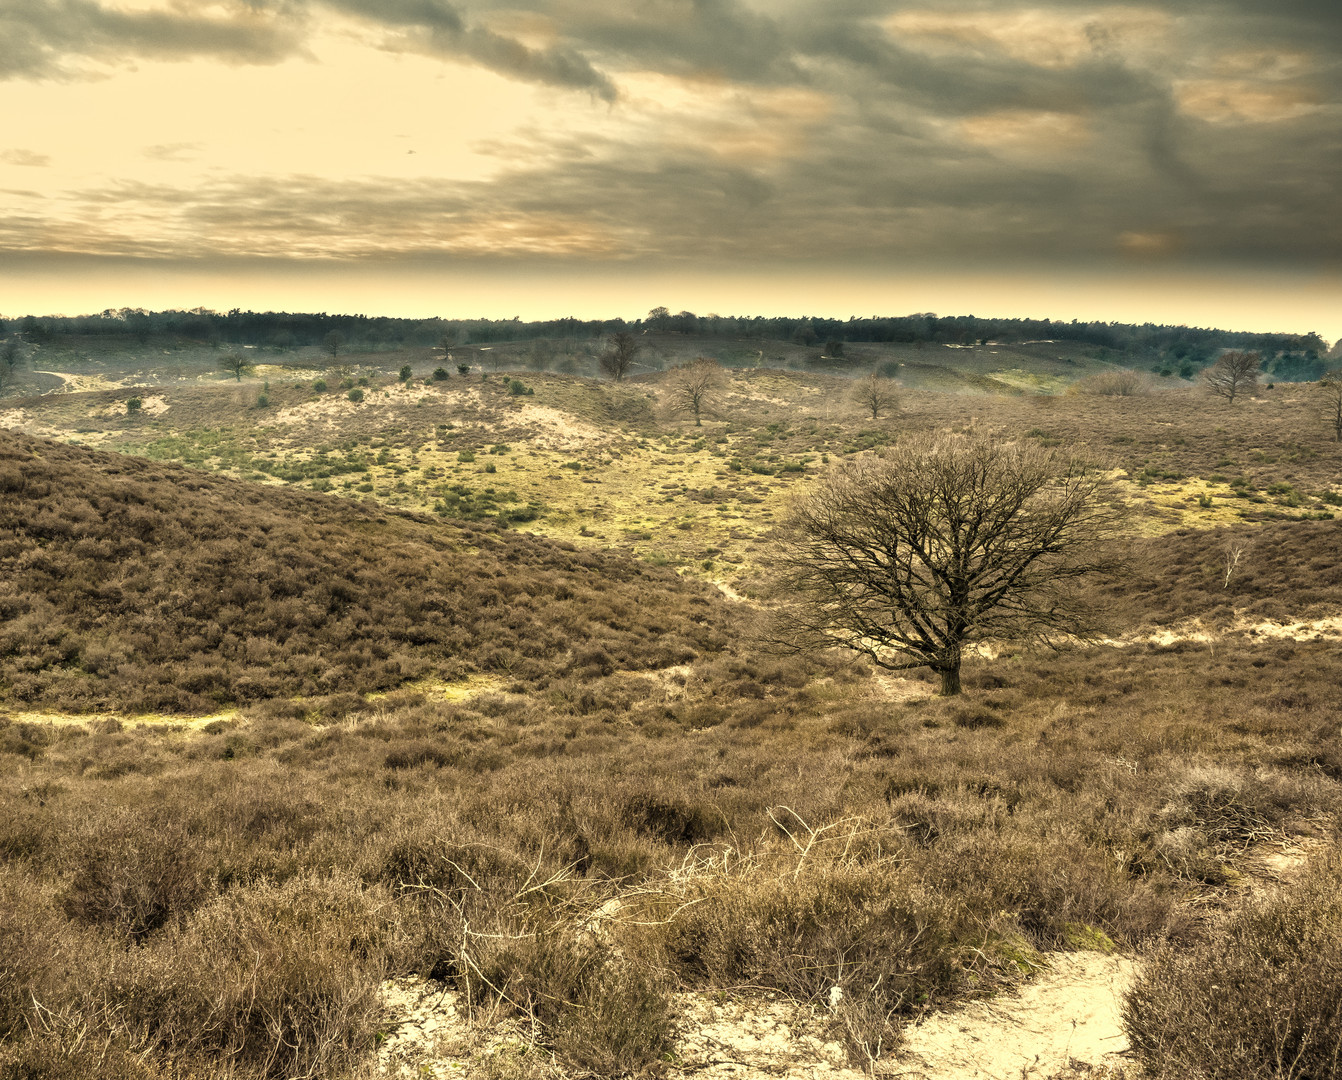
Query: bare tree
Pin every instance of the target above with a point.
(1234, 373)
(876, 394)
(1330, 397)
(691, 387)
(237, 365)
(1233, 552)
(333, 343)
(619, 357)
(9, 362)
(910, 555)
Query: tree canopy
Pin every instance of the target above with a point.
(909, 555)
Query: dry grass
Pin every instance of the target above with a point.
(753, 823)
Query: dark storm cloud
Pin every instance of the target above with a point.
(45, 38)
(438, 29)
(853, 128)
(41, 38)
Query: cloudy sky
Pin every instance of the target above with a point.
(1176, 160)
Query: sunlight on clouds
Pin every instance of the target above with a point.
(304, 219)
(1148, 244)
(748, 124)
(531, 28)
(1049, 38)
(25, 158)
(1026, 130)
(1265, 64)
(1240, 101)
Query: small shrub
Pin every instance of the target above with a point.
(463, 369)
(263, 401)
(356, 395)
(268, 980)
(134, 875)
(619, 1021)
(406, 373)
(133, 406)
(347, 383)
(1258, 997)
(319, 385)
(363, 380)
(440, 374)
(465, 456)
(604, 1014)
(1119, 383)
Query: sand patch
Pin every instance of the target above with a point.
(558, 430)
(890, 687)
(1069, 1012)
(730, 593)
(21, 420)
(147, 720)
(335, 405)
(1068, 1015)
(75, 384)
(437, 690)
(1328, 628)
(154, 405)
(718, 1036)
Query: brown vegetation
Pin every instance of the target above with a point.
(1261, 996)
(635, 802)
(876, 395)
(1235, 372)
(148, 588)
(908, 555)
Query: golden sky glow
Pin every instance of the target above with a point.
(383, 148)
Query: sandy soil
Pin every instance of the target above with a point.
(77, 383)
(1067, 1015)
(558, 430)
(155, 405)
(191, 723)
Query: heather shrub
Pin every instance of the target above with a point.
(270, 980)
(1121, 382)
(868, 929)
(602, 1012)
(134, 873)
(1259, 996)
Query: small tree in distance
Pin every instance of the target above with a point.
(237, 365)
(876, 394)
(1236, 372)
(618, 359)
(9, 361)
(692, 387)
(333, 343)
(1330, 394)
(910, 555)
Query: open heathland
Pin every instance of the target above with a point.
(302, 697)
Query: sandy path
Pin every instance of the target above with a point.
(1069, 1012)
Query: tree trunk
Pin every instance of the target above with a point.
(950, 681)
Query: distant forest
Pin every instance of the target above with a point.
(1288, 357)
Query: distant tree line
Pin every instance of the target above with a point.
(1287, 357)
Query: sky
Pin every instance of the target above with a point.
(1175, 161)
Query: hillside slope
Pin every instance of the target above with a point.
(129, 584)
